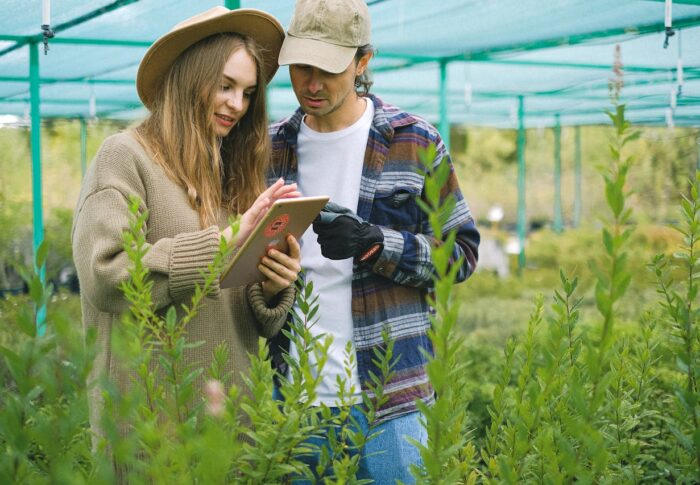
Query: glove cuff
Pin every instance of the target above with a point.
(372, 243)
(370, 234)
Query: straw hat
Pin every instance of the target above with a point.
(256, 24)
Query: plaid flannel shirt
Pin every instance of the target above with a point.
(392, 291)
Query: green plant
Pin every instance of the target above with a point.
(43, 430)
(581, 405)
(680, 314)
(262, 439)
(577, 396)
(448, 454)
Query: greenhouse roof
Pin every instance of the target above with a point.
(466, 61)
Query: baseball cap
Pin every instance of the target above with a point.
(326, 33)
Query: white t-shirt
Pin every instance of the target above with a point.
(331, 164)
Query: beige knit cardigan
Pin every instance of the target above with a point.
(178, 250)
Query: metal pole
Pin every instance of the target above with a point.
(558, 219)
(83, 147)
(444, 117)
(578, 194)
(521, 183)
(232, 4)
(37, 197)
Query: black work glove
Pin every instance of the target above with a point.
(343, 234)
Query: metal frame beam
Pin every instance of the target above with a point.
(74, 80)
(487, 54)
(574, 91)
(444, 114)
(76, 101)
(412, 60)
(652, 28)
(522, 229)
(67, 25)
(687, 2)
(583, 65)
(83, 147)
(578, 199)
(101, 42)
(37, 195)
(558, 222)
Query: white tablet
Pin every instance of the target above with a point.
(286, 216)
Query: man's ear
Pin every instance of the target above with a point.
(362, 64)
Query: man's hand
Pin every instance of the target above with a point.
(343, 234)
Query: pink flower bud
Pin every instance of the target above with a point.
(214, 392)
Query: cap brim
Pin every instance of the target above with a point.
(267, 32)
(327, 57)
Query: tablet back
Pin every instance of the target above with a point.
(286, 216)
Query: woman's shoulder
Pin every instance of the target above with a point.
(122, 152)
(122, 146)
(121, 163)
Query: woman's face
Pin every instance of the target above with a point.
(238, 84)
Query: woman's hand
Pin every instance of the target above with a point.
(252, 216)
(280, 269)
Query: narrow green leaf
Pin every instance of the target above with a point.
(42, 253)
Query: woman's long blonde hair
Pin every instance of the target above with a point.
(217, 173)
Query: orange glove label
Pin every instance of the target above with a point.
(370, 252)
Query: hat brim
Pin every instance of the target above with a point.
(327, 57)
(260, 26)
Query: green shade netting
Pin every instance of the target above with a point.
(557, 54)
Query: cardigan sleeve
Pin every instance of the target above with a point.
(102, 216)
(175, 264)
(270, 319)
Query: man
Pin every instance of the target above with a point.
(371, 265)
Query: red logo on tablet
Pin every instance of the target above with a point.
(277, 225)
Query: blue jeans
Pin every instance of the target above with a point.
(388, 456)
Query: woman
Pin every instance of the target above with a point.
(200, 156)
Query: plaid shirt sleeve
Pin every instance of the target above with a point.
(407, 257)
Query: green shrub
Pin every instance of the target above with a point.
(595, 384)
(589, 402)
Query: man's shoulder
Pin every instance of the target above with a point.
(402, 120)
(276, 127)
